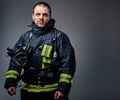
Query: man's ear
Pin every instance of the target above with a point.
(32, 17)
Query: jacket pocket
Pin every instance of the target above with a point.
(46, 53)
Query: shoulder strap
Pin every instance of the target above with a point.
(27, 36)
(55, 43)
(55, 52)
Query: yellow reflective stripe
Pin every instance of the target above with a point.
(66, 75)
(46, 55)
(65, 78)
(12, 74)
(46, 51)
(41, 90)
(38, 88)
(28, 46)
(49, 51)
(43, 65)
(46, 60)
(65, 81)
(12, 71)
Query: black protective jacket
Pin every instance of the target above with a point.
(43, 40)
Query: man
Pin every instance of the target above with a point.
(43, 58)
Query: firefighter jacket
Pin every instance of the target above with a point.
(46, 75)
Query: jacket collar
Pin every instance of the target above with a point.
(39, 31)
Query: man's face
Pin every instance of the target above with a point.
(41, 15)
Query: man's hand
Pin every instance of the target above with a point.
(12, 90)
(58, 95)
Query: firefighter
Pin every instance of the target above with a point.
(43, 59)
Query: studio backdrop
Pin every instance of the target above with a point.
(93, 27)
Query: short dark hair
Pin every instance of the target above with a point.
(43, 3)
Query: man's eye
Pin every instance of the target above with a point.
(46, 15)
(37, 14)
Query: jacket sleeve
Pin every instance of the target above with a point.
(14, 70)
(67, 63)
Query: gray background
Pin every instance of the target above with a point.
(93, 28)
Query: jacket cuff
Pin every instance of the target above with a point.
(64, 88)
(10, 83)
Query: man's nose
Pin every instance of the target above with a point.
(41, 16)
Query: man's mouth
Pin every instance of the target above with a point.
(41, 22)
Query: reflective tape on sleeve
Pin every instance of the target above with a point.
(66, 78)
(12, 74)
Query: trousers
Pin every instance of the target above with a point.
(38, 96)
